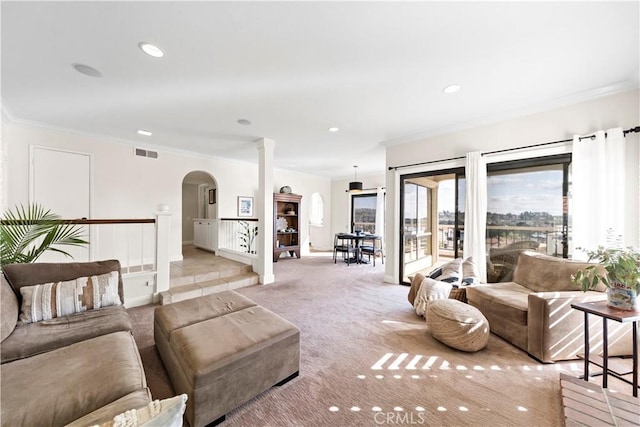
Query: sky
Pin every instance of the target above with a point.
(533, 191)
(538, 191)
(365, 202)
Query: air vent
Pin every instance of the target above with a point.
(146, 153)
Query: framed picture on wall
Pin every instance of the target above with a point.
(245, 206)
(212, 196)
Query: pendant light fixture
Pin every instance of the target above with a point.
(355, 185)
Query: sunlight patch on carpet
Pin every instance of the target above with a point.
(414, 362)
(398, 361)
(382, 361)
(406, 361)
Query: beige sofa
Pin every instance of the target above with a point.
(534, 312)
(80, 369)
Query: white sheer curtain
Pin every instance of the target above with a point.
(598, 191)
(475, 215)
(380, 214)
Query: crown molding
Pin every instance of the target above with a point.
(522, 111)
(6, 114)
(112, 140)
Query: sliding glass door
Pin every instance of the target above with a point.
(431, 220)
(528, 208)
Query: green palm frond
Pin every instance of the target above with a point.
(28, 232)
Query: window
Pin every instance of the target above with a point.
(526, 210)
(363, 212)
(316, 217)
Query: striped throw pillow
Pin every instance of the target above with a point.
(57, 299)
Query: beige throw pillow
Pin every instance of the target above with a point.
(159, 413)
(430, 290)
(57, 299)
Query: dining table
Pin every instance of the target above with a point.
(357, 239)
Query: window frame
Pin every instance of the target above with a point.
(557, 159)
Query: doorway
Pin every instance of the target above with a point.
(432, 220)
(199, 209)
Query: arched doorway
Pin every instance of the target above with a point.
(199, 210)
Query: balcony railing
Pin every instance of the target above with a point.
(141, 246)
(367, 227)
(549, 238)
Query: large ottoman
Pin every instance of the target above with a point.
(222, 350)
(457, 324)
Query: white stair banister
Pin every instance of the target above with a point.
(163, 236)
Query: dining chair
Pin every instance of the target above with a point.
(371, 246)
(343, 244)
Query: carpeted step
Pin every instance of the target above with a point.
(228, 269)
(228, 282)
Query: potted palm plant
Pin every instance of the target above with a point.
(28, 232)
(622, 277)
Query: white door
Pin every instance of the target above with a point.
(61, 182)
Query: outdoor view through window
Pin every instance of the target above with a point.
(364, 212)
(523, 204)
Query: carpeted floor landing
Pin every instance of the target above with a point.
(367, 360)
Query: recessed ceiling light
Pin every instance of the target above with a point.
(144, 132)
(333, 129)
(151, 50)
(244, 122)
(86, 70)
(451, 88)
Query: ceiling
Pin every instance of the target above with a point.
(375, 70)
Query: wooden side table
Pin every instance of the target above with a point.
(600, 308)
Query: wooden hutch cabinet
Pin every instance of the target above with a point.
(286, 224)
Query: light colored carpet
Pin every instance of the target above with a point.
(367, 359)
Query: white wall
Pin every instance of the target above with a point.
(126, 186)
(306, 185)
(619, 110)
